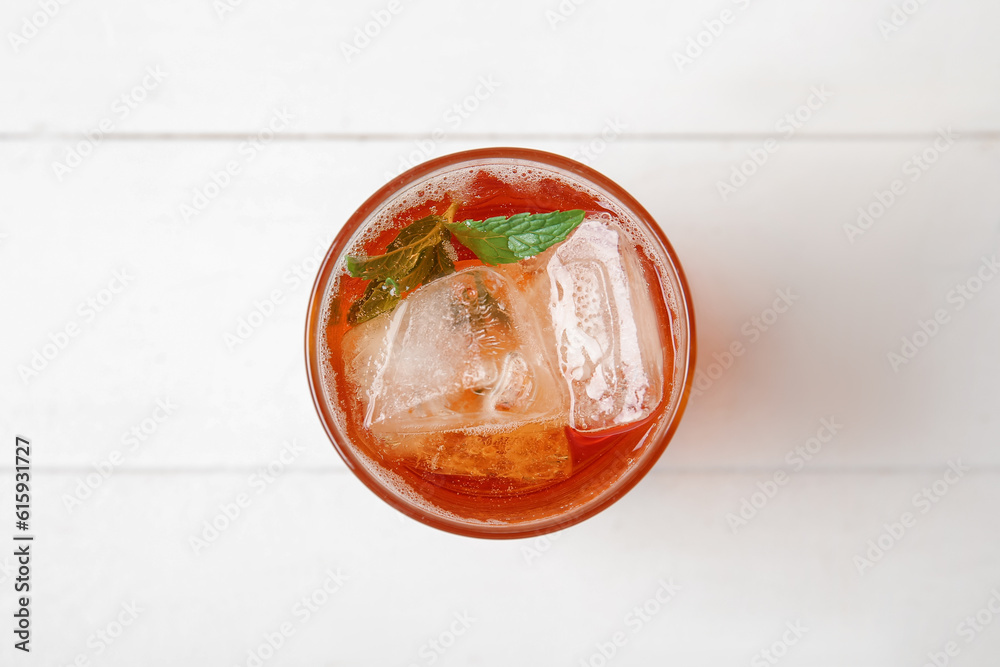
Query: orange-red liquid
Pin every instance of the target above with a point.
(596, 459)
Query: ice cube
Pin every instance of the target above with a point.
(605, 326)
(531, 452)
(461, 352)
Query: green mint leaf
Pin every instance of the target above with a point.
(402, 254)
(503, 240)
(414, 231)
(377, 299)
(415, 257)
(419, 254)
(441, 263)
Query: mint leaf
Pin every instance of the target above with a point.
(441, 263)
(416, 256)
(402, 254)
(501, 240)
(414, 231)
(419, 254)
(377, 299)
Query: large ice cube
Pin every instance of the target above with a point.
(531, 452)
(460, 352)
(605, 325)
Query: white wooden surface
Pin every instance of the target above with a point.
(554, 85)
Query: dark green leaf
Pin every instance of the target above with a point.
(377, 299)
(414, 231)
(419, 254)
(419, 274)
(441, 263)
(382, 295)
(402, 254)
(503, 240)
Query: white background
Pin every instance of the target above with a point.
(559, 79)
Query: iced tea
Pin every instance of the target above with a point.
(500, 396)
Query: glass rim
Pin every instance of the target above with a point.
(625, 480)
